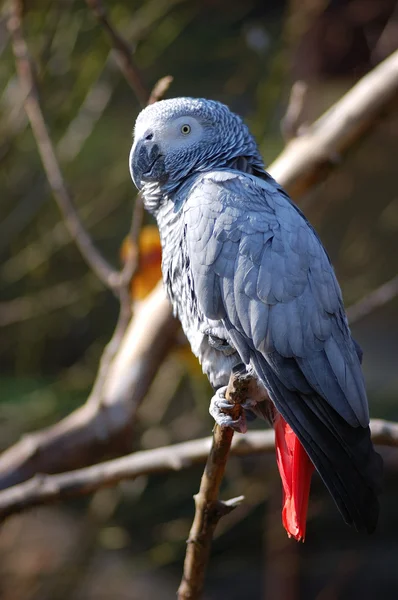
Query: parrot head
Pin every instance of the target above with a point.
(178, 137)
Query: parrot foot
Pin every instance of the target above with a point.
(220, 407)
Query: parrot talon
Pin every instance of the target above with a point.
(249, 404)
(219, 407)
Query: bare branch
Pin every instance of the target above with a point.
(309, 157)
(131, 263)
(208, 508)
(46, 489)
(42, 302)
(291, 122)
(123, 52)
(105, 272)
(160, 88)
(387, 40)
(380, 296)
(103, 425)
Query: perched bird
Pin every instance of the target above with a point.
(251, 283)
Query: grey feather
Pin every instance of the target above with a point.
(242, 265)
(303, 306)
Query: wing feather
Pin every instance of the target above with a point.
(259, 255)
(265, 274)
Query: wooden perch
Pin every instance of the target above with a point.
(208, 508)
(45, 489)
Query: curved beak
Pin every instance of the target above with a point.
(146, 162)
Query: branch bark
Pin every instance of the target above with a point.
(208, 509)
(378, 297)
(103, 425)
(160, 88)
(123, 52)
(308, 158)
(105, 272)
(46, 489)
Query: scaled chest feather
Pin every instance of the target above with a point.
(208, 338)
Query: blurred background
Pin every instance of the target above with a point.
(56, 317)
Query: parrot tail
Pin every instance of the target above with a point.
(296, 470)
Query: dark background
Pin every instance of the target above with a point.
(129, 542)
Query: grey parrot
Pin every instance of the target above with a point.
(252, 284)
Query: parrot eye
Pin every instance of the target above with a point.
(185, 129)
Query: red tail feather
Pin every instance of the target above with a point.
(295, 469)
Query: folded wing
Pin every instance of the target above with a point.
(259, 266)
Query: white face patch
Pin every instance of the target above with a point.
(171, 134)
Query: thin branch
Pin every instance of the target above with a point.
(380, 296)
(208, 508)
(160, 88)
(131, 263)
(387, 40)
(292, 121)
(308, 158)
(47, 489)
(45, 301)
(53, 239)
(105, 272)
(123, 52)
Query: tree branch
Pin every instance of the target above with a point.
(123, 52)
(111, 277)
(208, 509)
(47, 489)
(103, 425)
(308, 158)
(105, 272)
(380, 296)
(160, 88)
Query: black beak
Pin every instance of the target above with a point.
(146, 163)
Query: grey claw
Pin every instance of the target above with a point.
(239, 425)
(249, 404)
(219, 408)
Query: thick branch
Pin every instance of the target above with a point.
(103, 425)
(308, 158)
(46, 489)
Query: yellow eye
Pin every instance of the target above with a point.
(185, 129)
